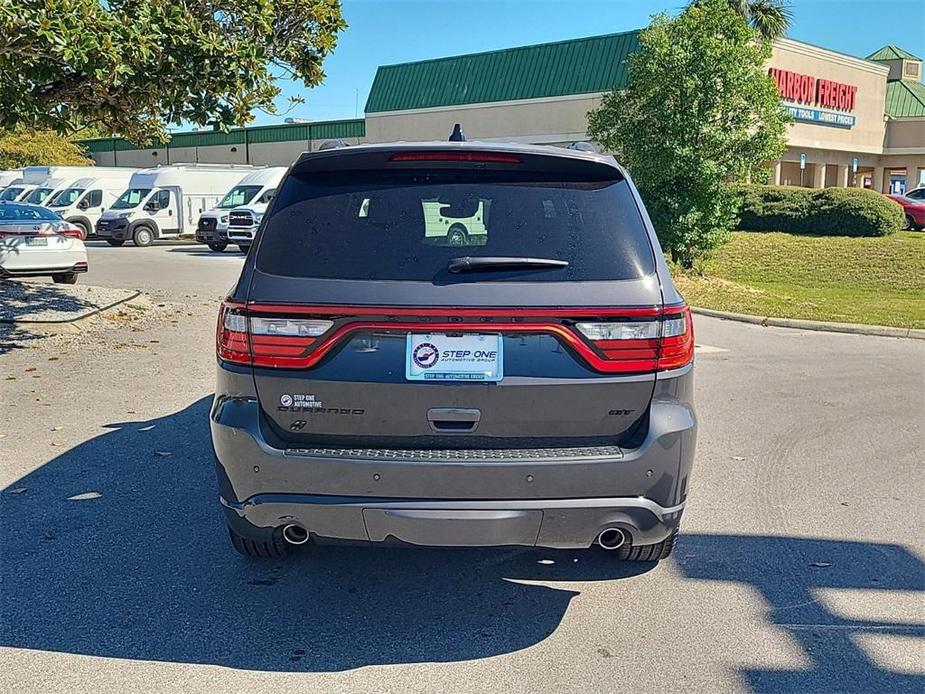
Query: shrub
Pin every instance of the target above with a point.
(43, 148)
(825, 212)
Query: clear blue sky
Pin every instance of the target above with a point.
(383, 32)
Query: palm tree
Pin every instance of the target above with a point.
(770, 18)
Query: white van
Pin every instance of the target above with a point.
(86, 199)
(40, 183)
(16, 190)
(9, 176)
(257, 187)
(166, 201)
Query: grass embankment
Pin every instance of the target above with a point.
(878, 281)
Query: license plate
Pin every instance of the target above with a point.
(440, 357)
(36, 241)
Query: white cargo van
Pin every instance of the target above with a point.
(40, 183)
(86, 199)
(9, 176)
(166, 201)
(257, 187)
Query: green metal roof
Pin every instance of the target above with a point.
(320, 130)
(579, 66)
(905, 99)
(891, 52)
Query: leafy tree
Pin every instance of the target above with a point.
(770, 18)
(698, 111)
(133, 66)
(20, 149)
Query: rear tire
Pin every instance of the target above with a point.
(115, 242)
(457, 236)
(657, 552)
(65, 278)
(275, 546)
(218, 247)
(143, 236)
(243, 248)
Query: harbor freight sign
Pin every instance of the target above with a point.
(807, 90)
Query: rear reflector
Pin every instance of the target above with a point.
(619, 341)
(477, 157)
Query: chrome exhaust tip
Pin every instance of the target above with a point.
(611, 538)
(295, 534)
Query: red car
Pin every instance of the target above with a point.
(913, 209)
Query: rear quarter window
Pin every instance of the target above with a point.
(408, 226)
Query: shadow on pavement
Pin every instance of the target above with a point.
(22, 300)
(791, 574)
(145, 571)
(116, 548)
(197, 251)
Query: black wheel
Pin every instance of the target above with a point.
(910, 223)
(218, 247)
(65, 278)
(272, 546)
(244, 248)
(656, 552)
(143, 236)
(456, 236)
(115, 242)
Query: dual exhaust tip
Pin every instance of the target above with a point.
(612, 538)
(295, 534)
(609, 538)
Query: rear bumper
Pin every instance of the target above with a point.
(27, 261)
(562, 499)
(550, 523)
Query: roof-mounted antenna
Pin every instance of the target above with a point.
(457, 135)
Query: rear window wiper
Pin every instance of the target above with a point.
(488, 263)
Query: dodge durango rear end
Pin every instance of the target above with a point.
(455, 344)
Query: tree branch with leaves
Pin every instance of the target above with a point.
(134, 66)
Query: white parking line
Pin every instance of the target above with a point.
(708, 349)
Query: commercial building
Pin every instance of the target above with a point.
(857, 121)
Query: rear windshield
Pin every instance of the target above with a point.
(409, 226)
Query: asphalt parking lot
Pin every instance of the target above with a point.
(800, 566)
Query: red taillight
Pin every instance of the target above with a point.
(475, 157)
(677, 343)
(657, 344)
(71, 232)
(620, 341)
(242, 338)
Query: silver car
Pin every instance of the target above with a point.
(34, 241)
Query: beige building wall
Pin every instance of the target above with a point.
(905, 134)
(277, 153)
(536, 121)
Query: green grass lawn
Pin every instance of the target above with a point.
(878, 281)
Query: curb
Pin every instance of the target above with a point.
(821, 326)
(75, 319)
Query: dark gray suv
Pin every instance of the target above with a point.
(455, 344)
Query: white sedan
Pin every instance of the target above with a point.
(36, 242)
